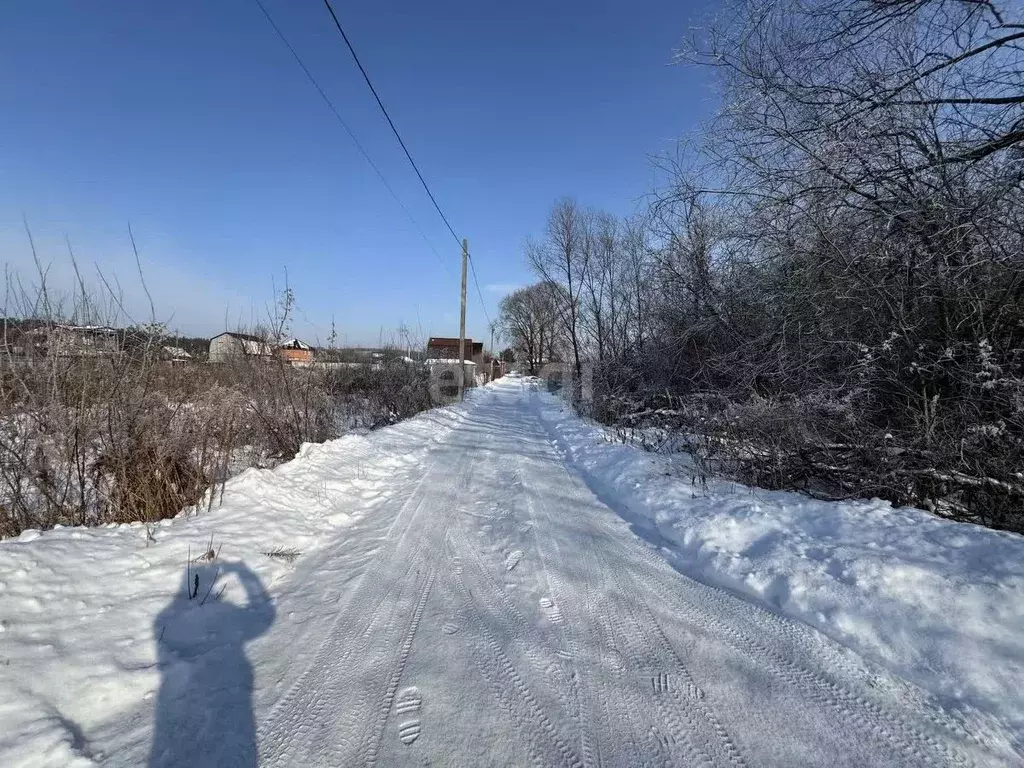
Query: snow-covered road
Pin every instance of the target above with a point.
(470, 589)
(503, 615)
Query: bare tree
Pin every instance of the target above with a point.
(562, 260)
(828, 294)
(528, 319)
(635, 287)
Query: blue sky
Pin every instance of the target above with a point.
(191, 120)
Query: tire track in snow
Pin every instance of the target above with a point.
(689, 703)
(328, 678)
(569, 654)
(697, 734)
(677, 718)
(870, 718)
(369, 728)
(361, 631)
(511, 689)
(808, 643)
(682, 717)
(291, 720)
(589, 747)
(644, 718)
(543, 645)
(534, 645)
(398, 663)
(487, 609)
(361, 719)
(590, 638)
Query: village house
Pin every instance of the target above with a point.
(296, 352)
(175, 355)
(447, 348)
(232, 345)
(79, 340)
(443, 361)
(33, 338)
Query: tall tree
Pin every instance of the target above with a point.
(562, 260)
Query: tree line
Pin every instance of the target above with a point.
(827, 292)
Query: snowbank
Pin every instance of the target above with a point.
(939, 603)
(77, 605)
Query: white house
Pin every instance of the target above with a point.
(232, 346)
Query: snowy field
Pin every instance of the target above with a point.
(497, 583)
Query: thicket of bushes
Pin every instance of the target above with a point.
(126, 436)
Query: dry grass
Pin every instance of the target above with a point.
(289, 555)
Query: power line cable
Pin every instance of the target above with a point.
(394, 130)
(408, 155)
(351, 135)
(483, 306)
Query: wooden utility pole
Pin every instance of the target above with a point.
(490, 366)
(462, 324)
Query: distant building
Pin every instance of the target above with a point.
(230, 346)
(175, 355)
(80, 340)
(447, 348)
(295, 351)
(498, 368)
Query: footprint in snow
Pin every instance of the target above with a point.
(552, 610)
(408, 702)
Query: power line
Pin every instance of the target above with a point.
(405, 149)
(359, 146)
(483, 306)
(394, 130)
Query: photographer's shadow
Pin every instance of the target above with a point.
(204, 711)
